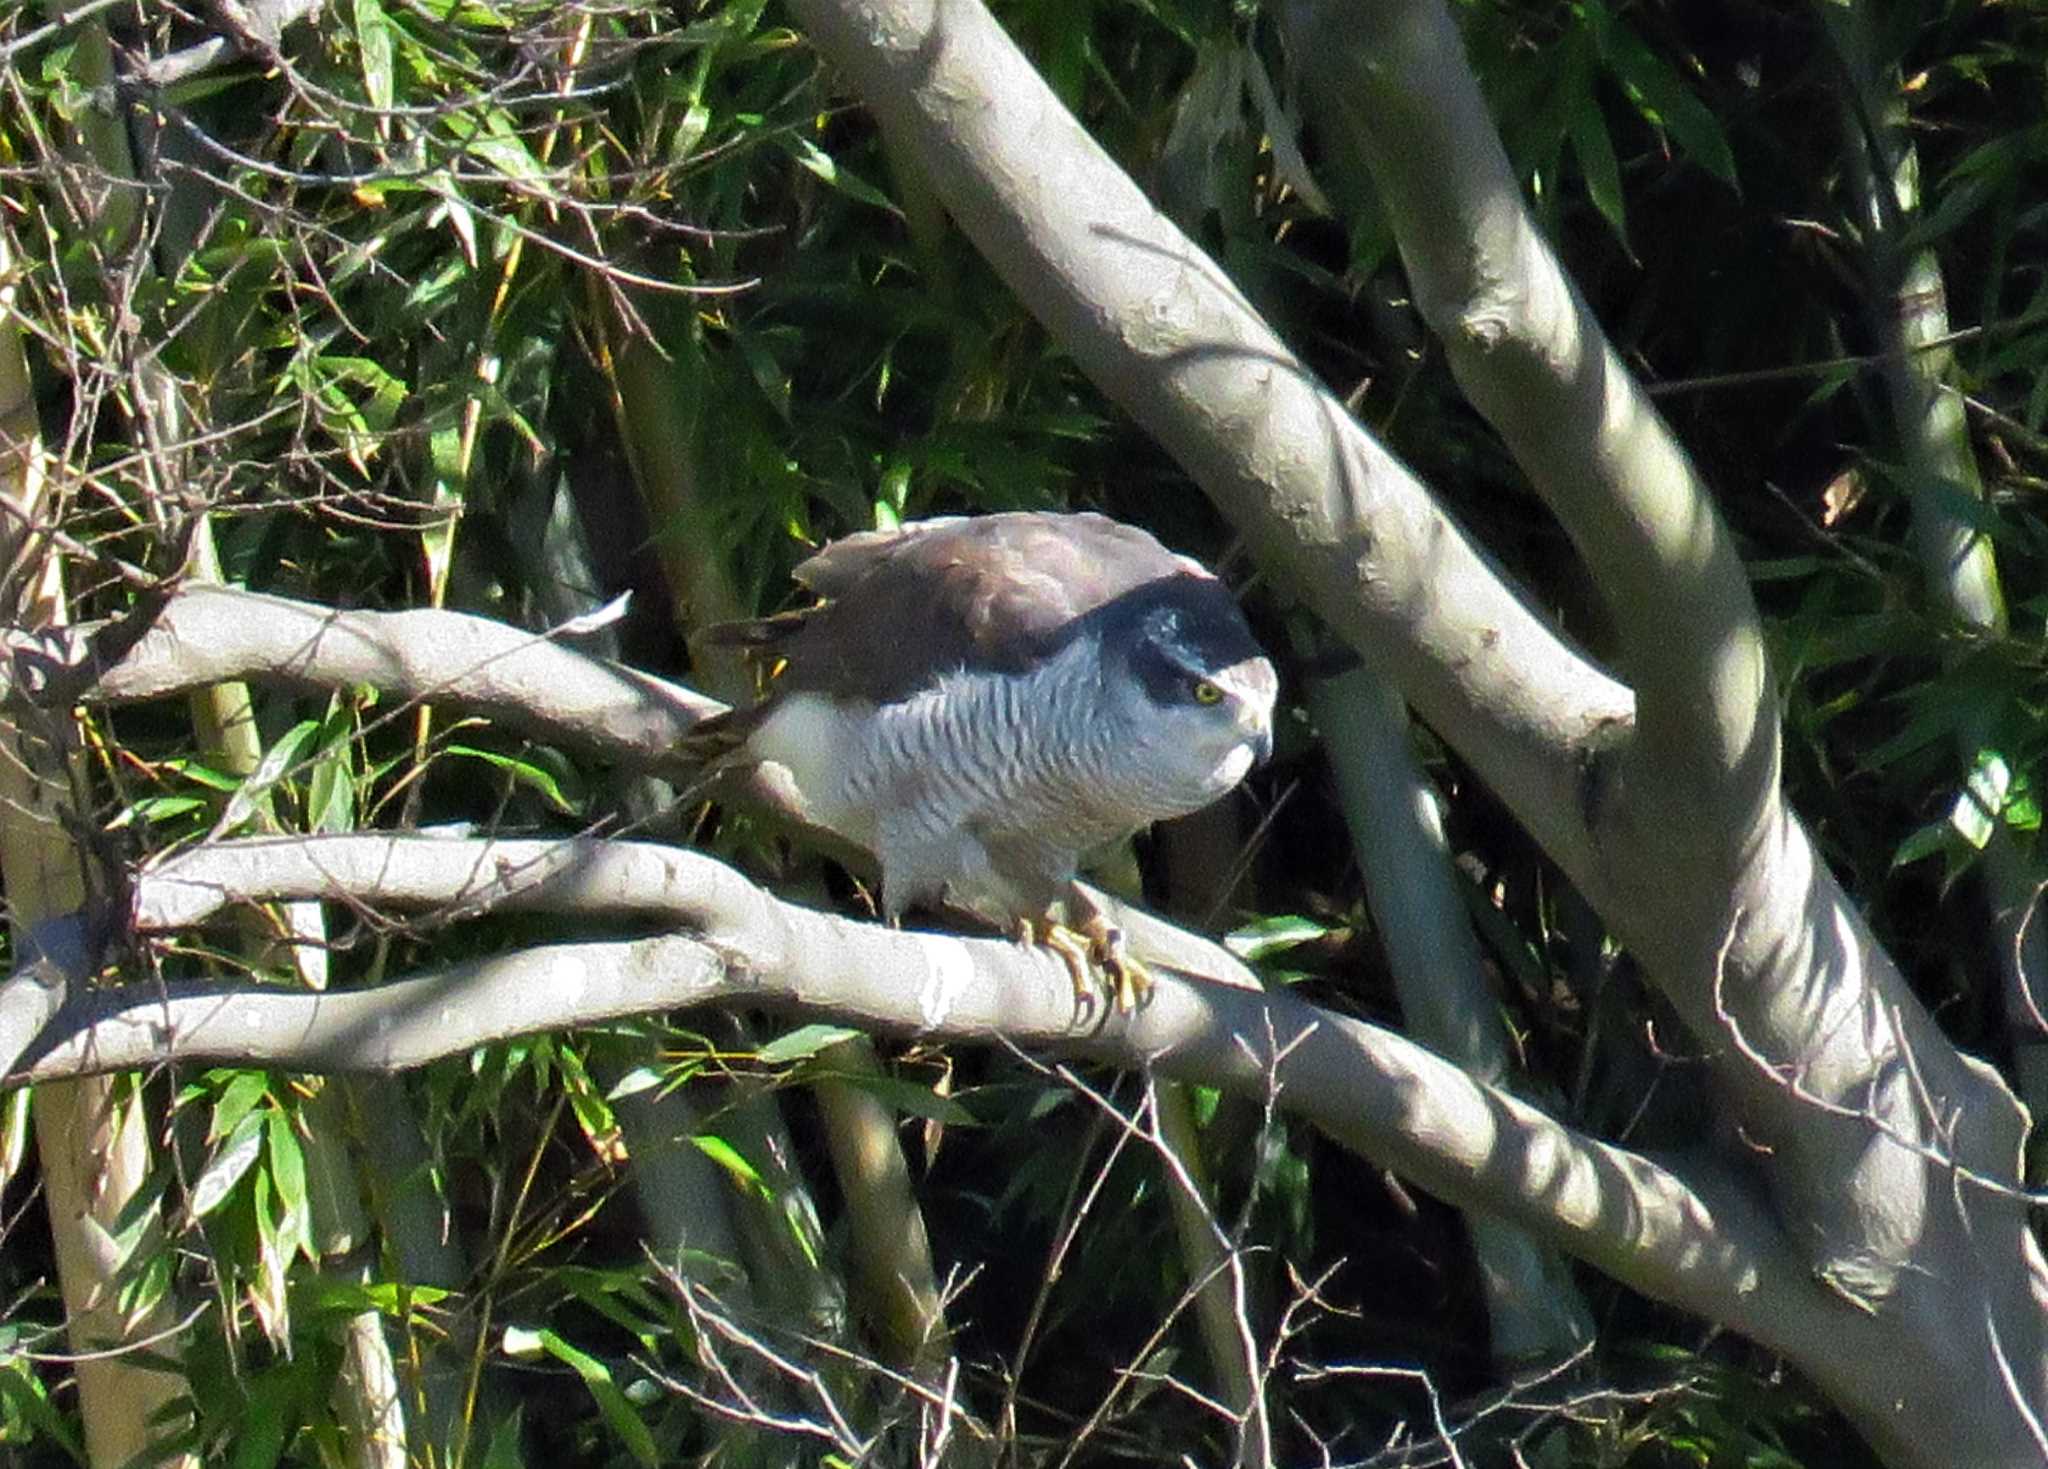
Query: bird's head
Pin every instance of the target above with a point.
(1196, 692)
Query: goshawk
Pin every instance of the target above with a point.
(981, 700)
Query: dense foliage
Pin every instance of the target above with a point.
(511, 307)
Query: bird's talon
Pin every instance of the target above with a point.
(1097, 960)
(1130, 980)
(1096, 957)
(1071, 949)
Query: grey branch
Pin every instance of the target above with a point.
(1393, 85)
(209, 634)
(1695, 1241)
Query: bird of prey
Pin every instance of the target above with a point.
(981, 700)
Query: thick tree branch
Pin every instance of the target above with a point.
(1395, 87)
(1720, 888)
(1844, 1076)
(207, 634)
(1695, 1241)
(1156, 324)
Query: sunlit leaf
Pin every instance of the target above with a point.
(230, 1161)
(1274, 935)
(817, 161)
(803, 1042)
(525, 772)
(252, 796)
(726, 1156)
(287, 1162)
(597, 1379)
(373, 40)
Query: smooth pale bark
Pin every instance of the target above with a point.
(1865, 1109)
(204, 634)
(1686, 1235)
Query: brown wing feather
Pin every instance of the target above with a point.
(901, 607)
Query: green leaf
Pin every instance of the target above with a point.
(373, 40)
(633, 1083)
(726, 1156)
(525, 772)
(597, 1378)
(1928, 840)
(331, 793)
(225, 1168)
(206, 775)
(1597, 163)
(895, 494)
(324, 1294)
(253, 795)
(455, 211)
(614, 1294)
(803, 1043)
(276, 1406)
(28, 1399)
(493, 138)
(159, 810)
(1931, 721)
(816, 160)
(505, 1439)
(1274, 935)
(593, 1114)
(244, 1091)
(909, 1097)
(1662, 96)
(288, 1178)
(1974, 816)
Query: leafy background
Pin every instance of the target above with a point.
(513, 307)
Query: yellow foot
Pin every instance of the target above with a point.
(1131, 980)
(1096, 958)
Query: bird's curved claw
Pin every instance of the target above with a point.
(1096, 958)
(1130, 980)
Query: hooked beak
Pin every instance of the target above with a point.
(1255, 684)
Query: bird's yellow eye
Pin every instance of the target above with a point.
(1204, 692)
